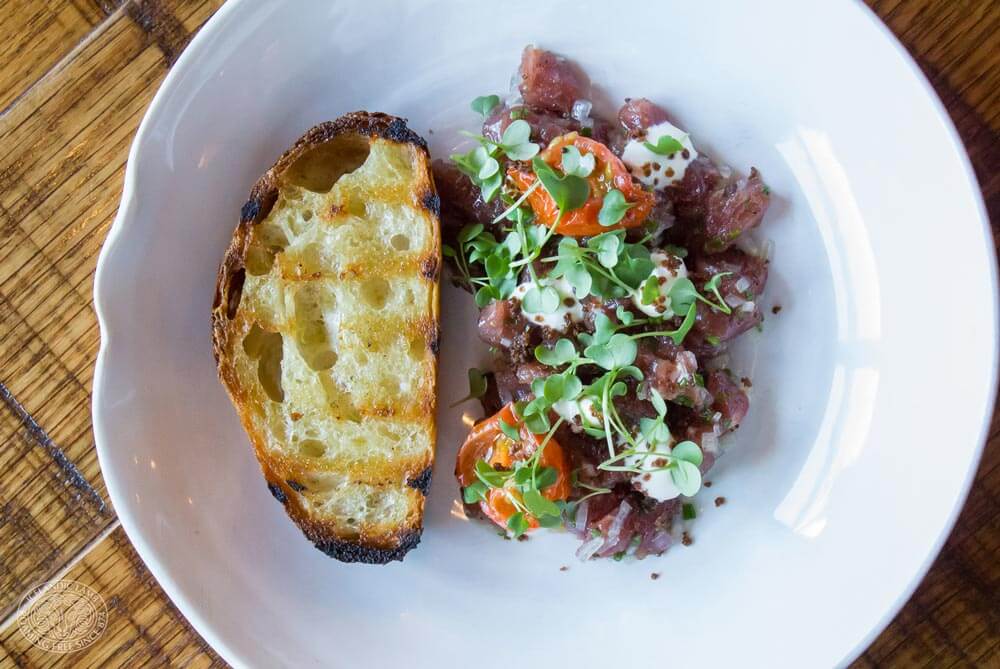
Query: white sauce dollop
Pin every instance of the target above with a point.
(667, 269)
(656, 484)
(569, 306)
(585, 409)
(653, 169)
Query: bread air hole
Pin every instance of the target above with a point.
(400, 242)
(321, 166)
(340, 401)
(312, 448)
(355, 206)
(312, 336)
(259, 260)
(266, 348)
(234, 291)
(375, 292)
(417, 348)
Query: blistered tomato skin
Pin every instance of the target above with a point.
(488, 442)
(609, 172)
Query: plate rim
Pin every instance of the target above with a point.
(162, 574)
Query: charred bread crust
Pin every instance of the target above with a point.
(228, 292)
(422, 481)
(346, 551)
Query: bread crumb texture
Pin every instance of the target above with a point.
(331, 353)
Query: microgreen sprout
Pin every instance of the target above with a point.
(485, 104)
(613, 208)
(665, 145)
(477, 386)
(575, 163)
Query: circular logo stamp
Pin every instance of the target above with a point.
(63, 617)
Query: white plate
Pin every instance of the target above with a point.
(871, 388)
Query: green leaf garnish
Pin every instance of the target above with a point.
(561, 353)
(538, 505)
(485, 104)
(678, 335)
(687, 451)
(682, 295)
(516, 141)
(510, 431)
(688, 512)
(546, 476)
(517, 524)
(568, 191)
(613, 208)
(665, 145)
(477, 386)
(474, 493)
(712, 285)
(657, 401)
(576, 164)
(650, 290)
(619, 351)
(541, 300)
(686, 477)
(489, 476)
(624, 315)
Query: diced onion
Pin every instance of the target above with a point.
(617, 524)
(588, 548)
(581, 517)
(710, 443)
(581, 110)
(742, 284)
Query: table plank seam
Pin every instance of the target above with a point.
(60, 574)
(41, 437)
(62, 62)
(160, 24)
(31, 200)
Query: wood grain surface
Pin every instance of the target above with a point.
(75, 78)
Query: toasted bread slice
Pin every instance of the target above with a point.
(325, 330)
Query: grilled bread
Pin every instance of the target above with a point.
(325, 331)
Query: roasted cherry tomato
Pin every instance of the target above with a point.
(488, 442)
(609, 172)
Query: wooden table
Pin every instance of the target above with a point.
(75, 79)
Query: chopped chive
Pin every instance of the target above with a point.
(688, 512)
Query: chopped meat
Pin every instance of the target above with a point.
(740, 290)
(501, 323)
(637, 114)
(730, 400)
(713, 208)
(732, 210)
(545, 125)
(461, 200)
(671, 372)
(551, 82)
(690, 195)
(652, 526)
(513, 382)
(740, 265)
